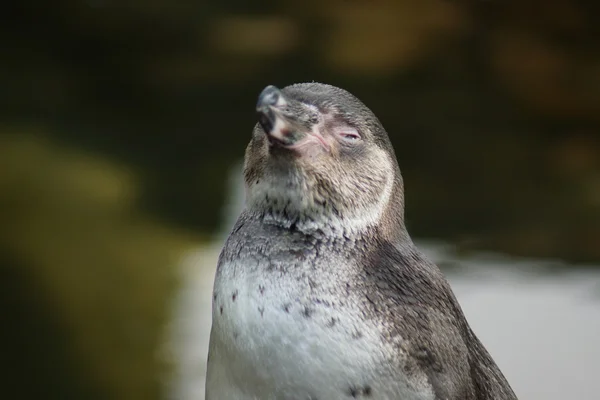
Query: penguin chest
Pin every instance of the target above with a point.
(290, 334)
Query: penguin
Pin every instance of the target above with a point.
(320, 292)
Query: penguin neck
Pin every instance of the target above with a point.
(322, 226)
(332, 228)
(290, 208)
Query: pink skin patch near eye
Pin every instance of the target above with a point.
(347, 133)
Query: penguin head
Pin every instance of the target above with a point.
(320, 159)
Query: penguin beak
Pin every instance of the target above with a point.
(270, 104)
(281, 119)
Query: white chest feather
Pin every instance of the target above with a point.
(280, 333)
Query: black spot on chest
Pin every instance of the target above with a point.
(357, 392)
(307, 312)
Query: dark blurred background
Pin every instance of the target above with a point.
(121, 121)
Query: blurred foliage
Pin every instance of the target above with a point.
(143, 106)
(73, 242)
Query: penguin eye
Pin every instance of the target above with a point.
(349, 134)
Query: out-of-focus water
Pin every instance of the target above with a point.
(541, 325)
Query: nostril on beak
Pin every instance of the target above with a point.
(270, 96)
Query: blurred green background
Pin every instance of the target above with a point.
(121, 120)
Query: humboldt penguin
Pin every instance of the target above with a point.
(320, 293)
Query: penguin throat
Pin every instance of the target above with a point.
(292, 209)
